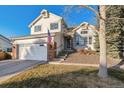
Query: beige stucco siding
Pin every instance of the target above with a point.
(59, 40)
(45, 24)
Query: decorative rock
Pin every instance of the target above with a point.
(62, 59)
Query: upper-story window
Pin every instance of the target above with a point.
(54, 26)
(37, 28)
(84, 32)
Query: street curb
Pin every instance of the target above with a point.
(76, 64)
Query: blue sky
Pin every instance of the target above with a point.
(14, 20)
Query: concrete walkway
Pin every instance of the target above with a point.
(10, 68)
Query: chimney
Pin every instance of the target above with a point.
(45, 13)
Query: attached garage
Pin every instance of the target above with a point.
(30, 48)
(32, 52)
(34, 47)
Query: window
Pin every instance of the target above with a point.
(53, 26)
(9, 49)
(83, 41)
(37, 28)
(90, 40)
(41, 45)
(83, 32)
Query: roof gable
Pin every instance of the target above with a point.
(41, 16)
(84, 25)
(4, 38)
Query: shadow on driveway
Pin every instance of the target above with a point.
(10, 67)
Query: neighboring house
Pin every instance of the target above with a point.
(5, 44)
(80, 37)
(36, 46)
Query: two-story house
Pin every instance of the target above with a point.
(79, 37)
(36, 46)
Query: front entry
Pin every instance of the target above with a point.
(68, 43)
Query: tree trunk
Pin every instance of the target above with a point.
(102, 40)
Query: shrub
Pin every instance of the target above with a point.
(62, 53)
(86, 52)
(4, 55)
(8, 56)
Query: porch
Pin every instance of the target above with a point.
(68, 43)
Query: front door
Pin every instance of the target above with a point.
(68, 43)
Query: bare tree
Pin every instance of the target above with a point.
(102, 40)
(101, 16)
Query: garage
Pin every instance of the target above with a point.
(33, 52)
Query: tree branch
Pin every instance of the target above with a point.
(93, 10)
(107, 7)
(115, 18)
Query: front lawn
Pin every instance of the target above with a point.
(64, 76)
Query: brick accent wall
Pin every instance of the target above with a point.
(52, 51)
(15, 51)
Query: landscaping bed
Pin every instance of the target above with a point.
(64, 76)
(86, 57)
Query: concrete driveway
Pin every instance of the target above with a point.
(12, 67)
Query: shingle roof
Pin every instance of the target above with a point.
(39, 17)
(32, 36)
(5, 38)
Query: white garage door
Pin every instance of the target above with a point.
(33, 52)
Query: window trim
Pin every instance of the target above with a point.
(82, 32)
(81, 40)
(51, 28)
(37, 28)
(9, 49)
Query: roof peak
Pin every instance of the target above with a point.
(43, 10)
(84, 23)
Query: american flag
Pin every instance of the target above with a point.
(49, 37)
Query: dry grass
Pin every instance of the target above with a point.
(61, 76)
(79, 57)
